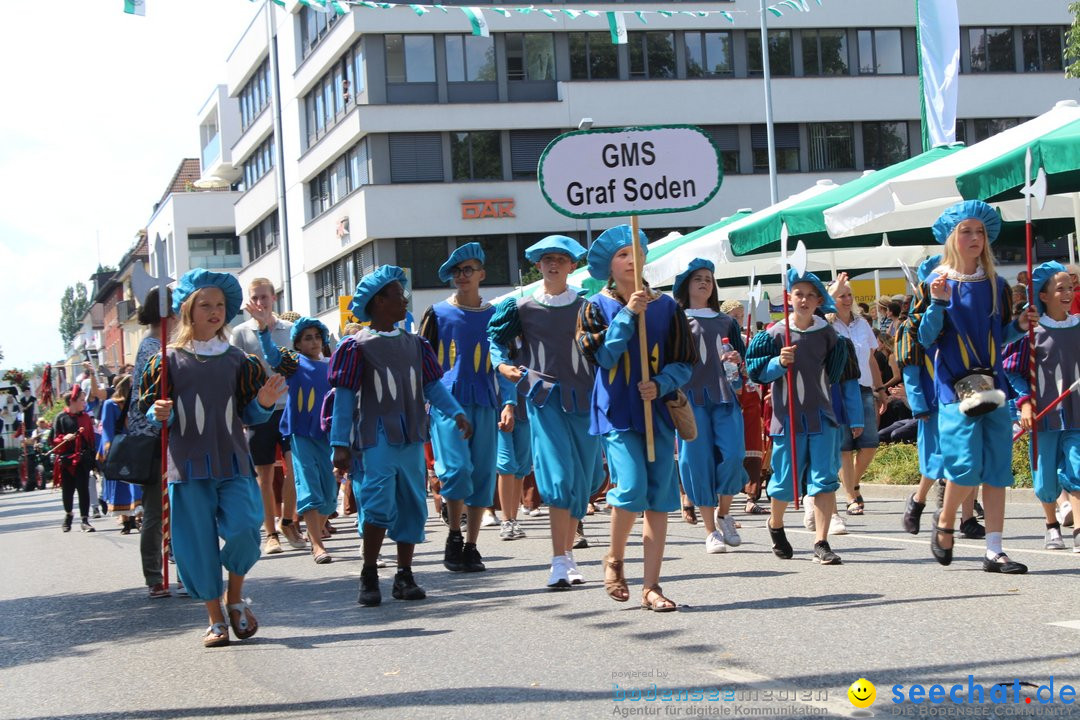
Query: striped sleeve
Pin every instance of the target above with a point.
(290, 362)
(680, 347)
(250, 380)
(432, 370)
(737, 340)
(763, 348)
(505, 325)
(346, 365)
(148, 383)
(849, 368)
(1015, 357)
(591, 329)
(429, 327)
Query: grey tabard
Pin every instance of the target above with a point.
(392, 390)
(206, 439)
(1057, 354)
(552, 356)
(708, 381)
(813, 400)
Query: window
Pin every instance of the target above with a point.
(787, 147)
(259, 162)
(213, 250)
(986, 127)
(824, 52)
(416, 157)
(526, 147)
(410, 58)
(346, 174)
(341, 276)
(832, 146)
(961, 131)
(652, 55)
(470, 58)
(334, 93)
(1043, 49)
(726, 138)
(530, 56)
(476, 155)
(884, 143)
(992, 50)
(708, 54)
(255, 95)
(780, 62)
(263, 238)
(880, 52)
(314, 26)
(593, 56)
(423, 256)
(496, 256)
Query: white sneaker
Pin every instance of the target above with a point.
(506, 532)
(714, 543)
(572, 571)
(489, 519)
(559, 579)
(1054, 540)
(536, 512)
(519, 532)
(837, 526)
(726, 526)
(1076, 541)
(1064, 514)
(808, 513)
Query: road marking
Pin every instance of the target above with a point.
(748, 680)
(1071, 624)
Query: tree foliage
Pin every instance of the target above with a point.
(73, 305)
(1072, 43)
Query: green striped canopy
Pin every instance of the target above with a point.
(1057, 152)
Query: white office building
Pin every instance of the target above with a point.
(403, 135)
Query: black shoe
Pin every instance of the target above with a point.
(913, 514)
(405, 587)
(67, 523)
(104, 507)
(780, 545)
(942, 555)
(979, 513)
(370, 596)
(86, 526)
(580, 541)
(452, 555)
(471, 560)
(1002, 564)
(972, 530)
(824, 555)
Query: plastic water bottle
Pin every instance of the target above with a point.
(731, 370)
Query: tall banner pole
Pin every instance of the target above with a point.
(643, 341)
(1037, 190)
(790, 379)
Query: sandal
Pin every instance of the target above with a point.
(689, 514)
(614, 580)
(243, 622)
(660, 603)
(752, 508)
(217, 635)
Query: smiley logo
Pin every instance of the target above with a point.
(862, 693)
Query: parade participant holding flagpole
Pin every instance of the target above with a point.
(609, 330)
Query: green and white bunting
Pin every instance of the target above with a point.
(477, 20)
(135, 7)
(617, 25)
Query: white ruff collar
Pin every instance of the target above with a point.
(948, 272)
(213, 346)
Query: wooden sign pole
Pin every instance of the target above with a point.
(643, 341)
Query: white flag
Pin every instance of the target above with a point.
(477, 21)
(939, 69)
(617, 25)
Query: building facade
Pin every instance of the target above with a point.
(403, 135)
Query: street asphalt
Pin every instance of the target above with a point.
(754, 636)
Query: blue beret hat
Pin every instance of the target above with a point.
(610, 242)
(308, 322)
(371, 284)
(793, 278)
(1042, 275)
(199, 278)
(468, 251)
(555, 244)
(695, 264)
(968, 210)
(928, 266)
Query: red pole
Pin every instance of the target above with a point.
(163, 395)
(791, 400)
(1042, 413)
(1031, 346)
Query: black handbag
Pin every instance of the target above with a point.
(131, 459)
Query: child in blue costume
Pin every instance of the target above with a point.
(917, 369)
(608, 337)
(457, 329)
(214, 390)
(122, 497)
(514, 458)
(819, 360)
(306, 369)
(1057, 351)
(557, 383)
(964, 321)
(382, 377)
(711, 465)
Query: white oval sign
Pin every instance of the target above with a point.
(630, 171)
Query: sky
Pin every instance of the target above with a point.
(101, 107)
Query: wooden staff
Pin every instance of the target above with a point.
(1032, 376)
(643, 341)
(163, 380)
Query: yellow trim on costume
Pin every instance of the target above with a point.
(311, 398)
(477, 356)
(654, 359)
(440, 354)
(626, 366)
(990, 343)
(611, 374)
(453, 353)
(964, 358)
(300, 400)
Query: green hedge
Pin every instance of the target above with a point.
(898, 464)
